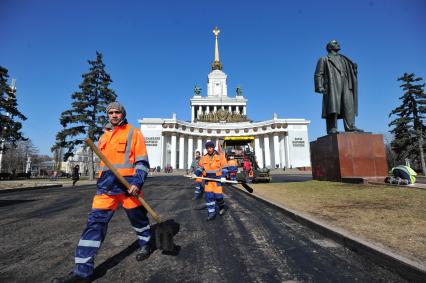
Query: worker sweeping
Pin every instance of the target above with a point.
(213, 165)
(198, 182)
(125, 148)
(232, 168)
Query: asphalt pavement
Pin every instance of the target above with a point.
(252, 242)
(281, 178)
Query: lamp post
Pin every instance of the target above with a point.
(2, 143)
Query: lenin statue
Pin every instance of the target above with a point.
(336, 78)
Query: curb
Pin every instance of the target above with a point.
(29, 188)
(405, 267)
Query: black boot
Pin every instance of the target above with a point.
(211, 216)
(143, 253)
(71, 278)
(222, 209)
(220, 206)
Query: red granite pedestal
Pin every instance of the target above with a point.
(349, 157)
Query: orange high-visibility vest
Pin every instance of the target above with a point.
(213, 164)
(212, 167)
(123, 147)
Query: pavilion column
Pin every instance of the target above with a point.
(200, 144)
(203, 148)
(276, 150)
(173, 151)
(258, 152)
(181, 151)
(229, 108)
(217, 144)
(267, 151)
(282, 151)
(287, 151)
(244, 110)
(207, 109)
(192, 113)
(190, 153)
(162, 156)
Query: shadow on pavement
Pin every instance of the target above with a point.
(14, 201)
(102, 269)
(290, 178)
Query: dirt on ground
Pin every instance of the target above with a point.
(391, 217)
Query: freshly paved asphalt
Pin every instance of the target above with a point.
(252, 242)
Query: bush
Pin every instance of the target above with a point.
(5, 176)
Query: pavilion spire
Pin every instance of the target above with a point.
(216, 64)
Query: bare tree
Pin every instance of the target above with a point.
(15, 158)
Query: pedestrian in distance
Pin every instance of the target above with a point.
(125, 148)
(198, 193)
(55, 175)
(213, 165)
(75, 174)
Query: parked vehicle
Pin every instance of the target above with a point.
(242, 148)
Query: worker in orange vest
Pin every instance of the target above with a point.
(232, 167)
(124, 146)
(213, 165)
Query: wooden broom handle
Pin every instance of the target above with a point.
(121, 178)
(211, 179)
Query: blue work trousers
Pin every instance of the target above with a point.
(95, 233)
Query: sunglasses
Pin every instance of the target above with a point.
(114, 112)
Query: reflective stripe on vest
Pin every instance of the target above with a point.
(141, 158)
(142, 167)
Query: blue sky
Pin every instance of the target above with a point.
(156, 51)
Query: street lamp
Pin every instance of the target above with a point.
(2, 143)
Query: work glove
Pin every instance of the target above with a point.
(225, 171)
(198, 172)
(223, 179)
